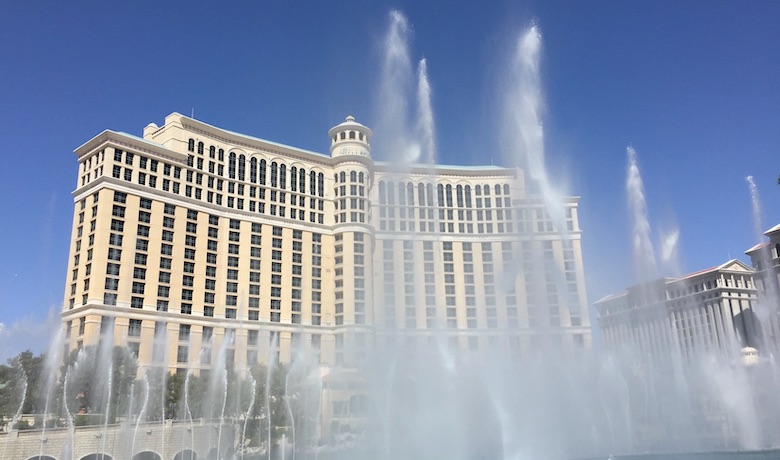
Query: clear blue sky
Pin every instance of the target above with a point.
(693, 86)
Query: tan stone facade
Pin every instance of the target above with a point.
(194, 239)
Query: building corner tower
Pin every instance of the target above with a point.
(353, 235)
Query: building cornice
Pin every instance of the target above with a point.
(124, 141)
(249, 142)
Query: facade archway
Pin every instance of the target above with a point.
(97, 456)
(147, 455)
(186, 455)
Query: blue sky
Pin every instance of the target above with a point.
(693, 86)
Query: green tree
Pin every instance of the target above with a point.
(88, 381)
(30, 366)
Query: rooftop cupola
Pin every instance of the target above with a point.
(350, 138)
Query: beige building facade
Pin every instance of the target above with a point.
(707, 312)
(195, 244)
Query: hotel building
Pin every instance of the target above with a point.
(765, 258)
(194, 239)
(707, 312)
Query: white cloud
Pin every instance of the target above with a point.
(32, 333)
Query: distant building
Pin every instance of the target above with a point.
(195, 239)
(765, 258)
(710, 311)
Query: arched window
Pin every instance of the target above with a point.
(410, 193)
(253, 170)
(320, 184)
(468, 196)
(449, 195)
(486, 189)
(262, 172)
(313, 183)
(282, 176)
(343, 177)
(478, 190)
(361, 178)
(421, 194)
(498, 189)
(241, 167)
(401, 193)
(232, 165)
(459, 193)
(352, 176)
(302, 181)
(440, 195)
(212, 152)
(390, 193)
(274, 174)
(191, 145)
(506, 189)
(429, 194)
(382, 192)
(200, 148)
(352, 134)
(221, 155)
(294, 179)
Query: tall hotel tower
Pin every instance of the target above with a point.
(194, 239)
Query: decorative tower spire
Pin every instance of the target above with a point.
(350, 138)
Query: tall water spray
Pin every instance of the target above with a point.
(768, 321)
(523, 132)
(394, 86)
(248, 413)
(68, 414)
(670, 241)
(187, 411)
(18, 413)
(222, 413)
(52, 362)
(644, 254)
(405, 131)
(426, 126)
(272, 358)
(755, 204)
(142, 413)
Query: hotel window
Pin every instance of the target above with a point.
(182, 353)
(134, 328)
